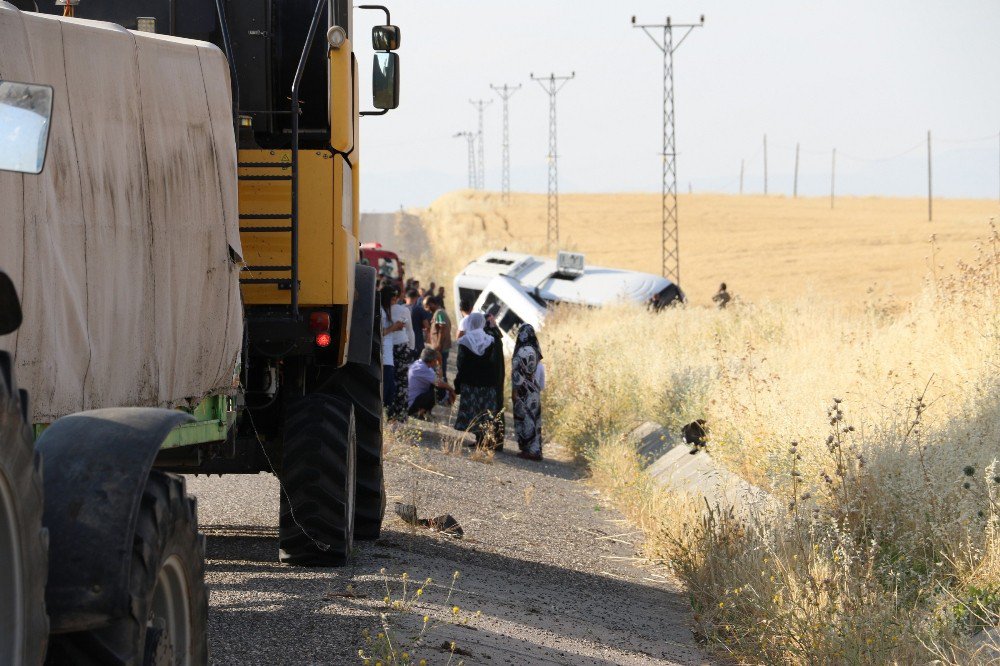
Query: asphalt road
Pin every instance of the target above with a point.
(548, 573)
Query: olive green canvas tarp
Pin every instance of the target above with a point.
(124, 249)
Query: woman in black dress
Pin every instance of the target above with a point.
(527, 382)
(476, 382)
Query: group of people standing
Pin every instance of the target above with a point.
(417, 343)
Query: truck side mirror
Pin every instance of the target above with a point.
(385, 37)
(10, 306)
(25, 115)
(385, 81)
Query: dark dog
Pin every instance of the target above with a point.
(695, 435)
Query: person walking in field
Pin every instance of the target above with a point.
(722, 297)
(402, 354)
(476, 382)
(528, 381)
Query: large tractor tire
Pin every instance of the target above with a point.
(318, 468)
(167, 623)
(24, 625)
(361, 385)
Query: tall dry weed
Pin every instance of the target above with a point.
(887, 549)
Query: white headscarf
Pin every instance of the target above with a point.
(475, 338)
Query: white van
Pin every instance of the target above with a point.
(504, 298)
(524, 285)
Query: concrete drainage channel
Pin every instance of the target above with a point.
(672, 467)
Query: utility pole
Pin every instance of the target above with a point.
(833, 176)
(506, 92)
(480, 104)
(795, 183)
(765, 165)
(552, 85)
(471, 139)
(670, 239)
(741, 176)
(930, 192)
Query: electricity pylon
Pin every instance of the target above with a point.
(471, 139)
(671, 249)
(552, 85)
(480, 104)
(505, 93)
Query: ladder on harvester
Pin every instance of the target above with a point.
(292, 282)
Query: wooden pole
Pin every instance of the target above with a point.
(795, 184)
(765, 165)
(833, 177)
(930, 190)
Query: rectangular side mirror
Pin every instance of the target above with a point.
(385, 81)
(25, 115)
(385, 37)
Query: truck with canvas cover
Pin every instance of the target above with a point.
(159, 265)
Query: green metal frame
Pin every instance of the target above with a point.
(214, 416)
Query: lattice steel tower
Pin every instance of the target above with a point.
(480, 104)
(552, 85)
(505, 93)
(471, 139)
(671, 250)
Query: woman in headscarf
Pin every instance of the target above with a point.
(527, 382)
(476, 382)
(494, 331)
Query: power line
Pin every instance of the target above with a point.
(480, 104)
(471, 139)
(552, 85)
(765, 165)
(795, 182)
(930, 194)
(670, 238)
(506, 92)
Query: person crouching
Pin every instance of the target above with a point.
(422, 379)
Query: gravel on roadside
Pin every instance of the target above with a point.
(548, 571)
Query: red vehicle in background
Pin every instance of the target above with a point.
(388, 264)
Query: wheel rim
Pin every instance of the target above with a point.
(171, 605)
(11, 580)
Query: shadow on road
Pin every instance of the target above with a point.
(532, 612)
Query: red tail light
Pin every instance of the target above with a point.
(319, 322)
(323, 339)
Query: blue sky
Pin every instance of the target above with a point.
(869, 78)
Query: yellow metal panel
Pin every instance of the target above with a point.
(342, 99)
(325, 272)
(318, 221)
(356, 160)
(265, 197)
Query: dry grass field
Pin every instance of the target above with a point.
(855, 379)
(763, 247)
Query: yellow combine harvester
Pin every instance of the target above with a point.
(192, 243)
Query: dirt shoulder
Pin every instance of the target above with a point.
(550, 567)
